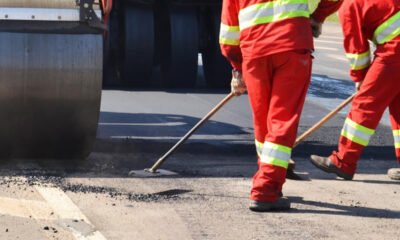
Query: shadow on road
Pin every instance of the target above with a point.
(393, 182)
(219, 149)
(336, 209)
(160, 126)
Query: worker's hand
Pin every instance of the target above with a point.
(358, 85)
(238, 86)
(316, 28)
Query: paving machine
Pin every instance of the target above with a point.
(51, 61)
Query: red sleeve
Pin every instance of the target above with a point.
(355, 42)
(230, 33)
(326, 8)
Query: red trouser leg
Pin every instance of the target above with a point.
(277, 86)
(394, 109)
(379, 88)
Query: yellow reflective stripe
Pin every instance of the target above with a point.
(259, 147)
(272, 11)
(271, 4)
(228, 28)
(278, 147)
(356, 132)
(275, 154)
(388, 30)
(277, 162)
(354, 138)
(396, 135)
(360, 127)
(229, 42)
(274, 18)
(359, 61)
(229, 35)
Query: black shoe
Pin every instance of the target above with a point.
(394, 173)
(282, 203)
(326, 165)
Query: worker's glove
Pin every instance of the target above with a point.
(358, 85)
(316, 28)
(238, 86)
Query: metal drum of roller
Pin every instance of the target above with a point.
(50, 77)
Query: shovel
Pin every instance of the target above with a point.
(155, 171)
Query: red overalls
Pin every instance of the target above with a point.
(375, 20)
(271, 42)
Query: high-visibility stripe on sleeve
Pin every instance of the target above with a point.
(396, 135)
(356, 132)
(388, 30)
(259, 148)
(359, 61)
(275, 154)
(272, 11)
(229, 35)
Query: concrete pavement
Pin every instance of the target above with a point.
(95, 199)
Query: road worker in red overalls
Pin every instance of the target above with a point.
(378, 83)
(269, 45)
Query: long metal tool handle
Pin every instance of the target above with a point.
(323, 120)
(184, 138)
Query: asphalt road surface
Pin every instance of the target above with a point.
(208, 197)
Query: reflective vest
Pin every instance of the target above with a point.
(262, 13)
(258, 28)
(388, 30)
(374, 20)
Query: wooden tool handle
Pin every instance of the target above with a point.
(188, 134)
(323, 120)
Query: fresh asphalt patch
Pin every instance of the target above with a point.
(206, 158)
(111, 192)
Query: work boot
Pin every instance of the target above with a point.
(282, 203)
(326, 165)
(394, 173)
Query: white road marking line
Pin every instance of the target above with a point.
(325, 55)
(339, 57)
(327, 41)
(332, 37)
(326, 48)
(26, 208)
(63, 206)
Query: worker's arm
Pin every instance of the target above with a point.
(355, 42)
(230, 33)
(324, 9)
